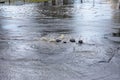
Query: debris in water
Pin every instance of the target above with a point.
(80, 41)
(44, 39)
(58, 40)
(114, 34)
(72, 40)
(118, 48)
(61, 36)
(64, 42)
(52, 40)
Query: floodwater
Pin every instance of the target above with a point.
(28, 50)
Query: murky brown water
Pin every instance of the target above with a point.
(25, 55)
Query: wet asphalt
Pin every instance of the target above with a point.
(29, 51)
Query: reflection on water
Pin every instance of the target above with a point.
(116, 16)
(115, 4)
(43, 2)
(81, 19)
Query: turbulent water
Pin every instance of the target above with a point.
(28, 50)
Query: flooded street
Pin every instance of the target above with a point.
(35, 41)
